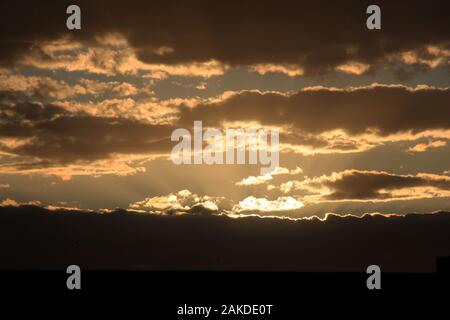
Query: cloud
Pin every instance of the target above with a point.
(259, 33)
(110, 88)
(312, 120)
(422, 147)
(49, 139)
(430, 56)
(8, 202)
(370, 186)
(181, 202)
(353, 68)
(13, 203)
(327, 120)
(55, 133)
(149, 111)
(252, 180)
(116, 165)
(388, 109)
(45, 88)
(185, 202)
(263, 205)
(40, 86)
(110, 57)
(290, 70)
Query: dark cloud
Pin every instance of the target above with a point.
(33, 237)
(355, 184)
(35, 112)
(318, 35)
(69, 136)
(390, 109)
(17, 117)
(68, 139)
(61, 136)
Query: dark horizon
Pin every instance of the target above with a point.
(200, 241)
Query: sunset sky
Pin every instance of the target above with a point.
(364, 115)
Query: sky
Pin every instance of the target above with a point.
(86, 115)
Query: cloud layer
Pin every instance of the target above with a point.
(371, 185)
(251, 33)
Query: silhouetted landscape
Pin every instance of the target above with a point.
(32, 237)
